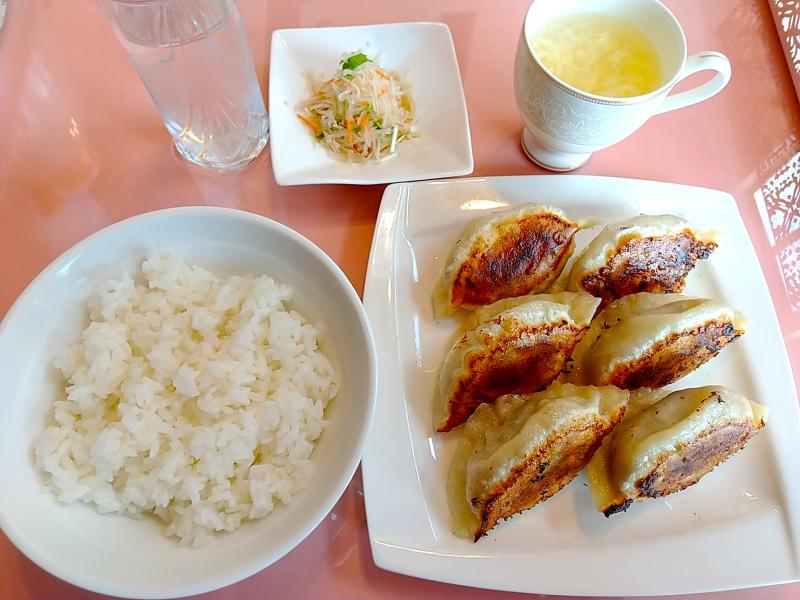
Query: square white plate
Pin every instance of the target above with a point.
(738, 527)
(423, 53)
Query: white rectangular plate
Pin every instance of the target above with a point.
(737, 528)
(422, 53)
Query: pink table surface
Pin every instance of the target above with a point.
(81, 146)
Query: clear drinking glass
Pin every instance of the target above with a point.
(193, 57)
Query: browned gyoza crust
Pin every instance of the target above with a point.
(544, 473)
(676, 356)
(520, 360)
(647, 264)
(675, 472)
(523, 260)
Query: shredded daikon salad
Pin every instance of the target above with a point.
(362, 113)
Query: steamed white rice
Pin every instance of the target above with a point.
(190, 396)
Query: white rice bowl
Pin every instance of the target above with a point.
(131, 556)
(193, 397)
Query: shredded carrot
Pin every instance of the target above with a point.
(382, 74)
(349, 124)
(307, 122)
(363, 120)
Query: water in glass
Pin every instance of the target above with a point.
(194, 59)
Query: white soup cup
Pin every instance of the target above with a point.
(565, 125)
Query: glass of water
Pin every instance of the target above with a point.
(193, 57)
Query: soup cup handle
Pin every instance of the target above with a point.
(703, 61)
